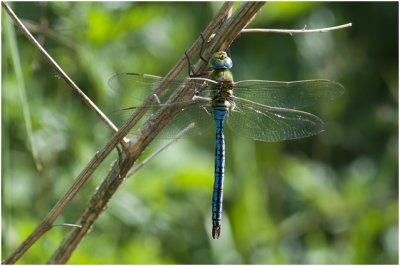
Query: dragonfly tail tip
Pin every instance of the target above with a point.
(216, 230)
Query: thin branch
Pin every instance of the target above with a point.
(158, 151)
(225, 34)
(291, 32)
(59, 70)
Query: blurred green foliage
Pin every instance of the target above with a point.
(332, 198)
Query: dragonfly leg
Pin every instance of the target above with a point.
(201, 49)
(193, 73)
(191, 70)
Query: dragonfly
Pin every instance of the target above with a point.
(257, 109)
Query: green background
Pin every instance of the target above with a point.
(331, 198)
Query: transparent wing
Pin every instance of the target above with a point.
(140, 86)
(200, 115)
(264, 123)
(291, 95)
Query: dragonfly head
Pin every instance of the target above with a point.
(220, 60)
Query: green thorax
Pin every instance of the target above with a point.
(222, 95)
(221, 75)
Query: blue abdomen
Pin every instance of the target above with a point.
(219, 116)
